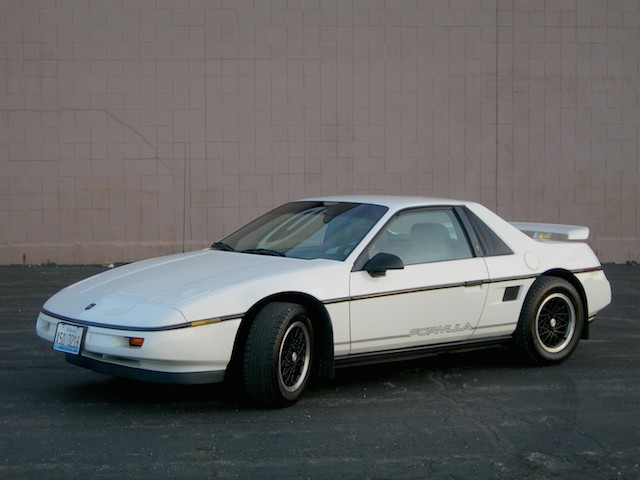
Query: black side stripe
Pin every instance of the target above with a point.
(471, 283)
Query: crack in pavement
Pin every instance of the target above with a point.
(493, 434)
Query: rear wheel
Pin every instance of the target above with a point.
(550, 323)
(278, 355)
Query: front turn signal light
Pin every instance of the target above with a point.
(136, 341)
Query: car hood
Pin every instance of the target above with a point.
(163, 291)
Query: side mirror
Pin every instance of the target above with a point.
(381, 262)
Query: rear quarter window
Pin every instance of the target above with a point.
(492, 245)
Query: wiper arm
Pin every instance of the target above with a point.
(264, 251)
(222, 246)
(259, 251)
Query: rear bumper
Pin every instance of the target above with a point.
(597, 291)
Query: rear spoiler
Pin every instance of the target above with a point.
(552, 231)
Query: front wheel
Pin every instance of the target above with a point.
(278, 355)
(550, 323)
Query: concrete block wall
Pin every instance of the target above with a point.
(141, 127)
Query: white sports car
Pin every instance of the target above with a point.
(324, 282)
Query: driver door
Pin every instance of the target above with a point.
(438, 296)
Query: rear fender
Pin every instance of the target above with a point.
(571, 278)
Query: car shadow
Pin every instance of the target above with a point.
(118, 392)
(110, 391)
(479, 359)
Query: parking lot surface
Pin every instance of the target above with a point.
(454, 416)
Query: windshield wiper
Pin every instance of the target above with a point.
(264, 251)
(258, 251)
(222, 246)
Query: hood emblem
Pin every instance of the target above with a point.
(90, 306)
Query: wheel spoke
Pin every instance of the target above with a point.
(293, 356)
(555, 322)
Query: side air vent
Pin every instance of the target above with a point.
(511, 294)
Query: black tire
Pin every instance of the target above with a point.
(551, 322)
(278, 355)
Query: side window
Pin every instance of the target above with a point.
(423, 236)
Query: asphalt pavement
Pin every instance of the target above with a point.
(454, 416)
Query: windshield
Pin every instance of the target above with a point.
(309, 229)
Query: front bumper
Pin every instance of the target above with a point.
(194, 354)
(145, 375)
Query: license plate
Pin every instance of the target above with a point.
(68, 338)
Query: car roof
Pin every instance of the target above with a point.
(394, 202)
